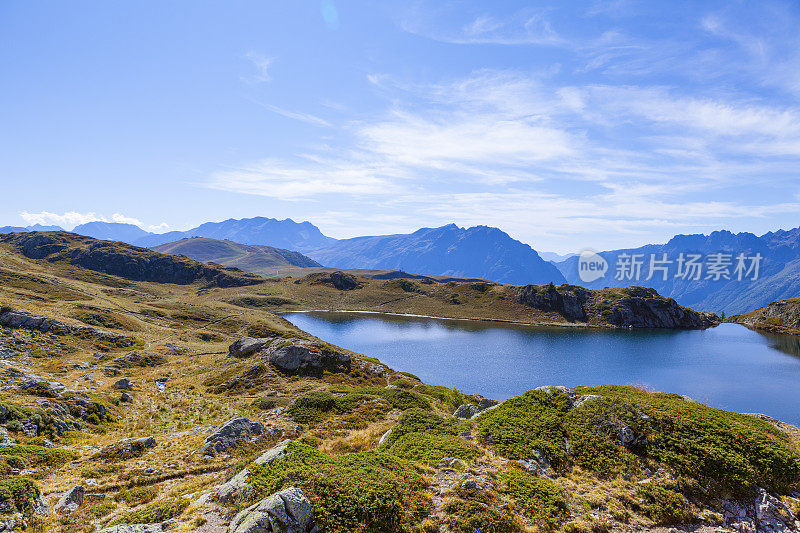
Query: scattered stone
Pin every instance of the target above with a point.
(91, 482)
(237, 489)
(71, 500)
(384, 437)
(5, 439)
(583, 399)
(134, 528)
(230, 434)
(127, 447)
(124, 384)
(247, 346)
(125, 397)
(452, 463)
(287, 511)
(469, 484)
(47, 444)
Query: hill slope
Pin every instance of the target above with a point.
(480, 251)
(123, 260)
(259, 259)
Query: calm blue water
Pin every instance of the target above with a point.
(729, 366)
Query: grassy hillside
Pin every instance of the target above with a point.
(588, 460)
(258, 259)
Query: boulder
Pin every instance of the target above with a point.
(237, 489)
(247, 346)
(305, 357)
(230, 434)
(71, 500)
(584, 399)
(127, 447)
(124, 384)
(6, 440)
(287, 511)
(466, 410)
(134, 528)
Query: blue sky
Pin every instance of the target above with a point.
(567, 124)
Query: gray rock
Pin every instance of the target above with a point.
(125, 397)
(23, 319)
(134, 528)
(237, 489)
(466, 410)
(773, 515)
(384, 437)
(247, 346)
(230, 434)
(5, 439)
(71, 500)
(304, 356)
(128, 447)
(124, 384)
(583, 399)
(287, 511)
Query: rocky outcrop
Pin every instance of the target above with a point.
(782, 316)
(773, 515)
(127, 448)
(469, 410)
(139, 359)
(124, 260)
(231, 434)
(641, 307)
(12, 318)
(247, 346)
(306, 357)
(567, 300)
(71, 500)
(287, 511)
(630, 307)
(134, 528)
(237, 489)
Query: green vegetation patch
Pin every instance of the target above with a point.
(664, 505)
(136, 495)
(430, 449)
(154, 513)
(531, 421)
(451, 398)
(18, 495)
(359, 492)
(28, 455)
(466, 516)
(541, 500)
(724, 451)
(419, 421)
(318, 405)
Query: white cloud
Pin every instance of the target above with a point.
(159, 228)
(303, 117)
(262, 65)
(67, 220)
(70, 219)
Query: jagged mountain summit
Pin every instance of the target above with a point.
(480, 251)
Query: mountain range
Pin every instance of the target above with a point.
(778, 271)
(490, 253)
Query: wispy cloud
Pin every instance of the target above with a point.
(457, 25)
(308, 118)
(262, 66)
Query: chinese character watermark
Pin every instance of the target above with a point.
(718, 266)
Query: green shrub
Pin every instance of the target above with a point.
(136, 496)
(663, 505)
(154, 513)
(542, 501)
(367, 492)
(419, 421)
(430, 449)
(18, 494)
(264, 403)
(531, 421)
(28, 455)
(464, 516)
(300, 460)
